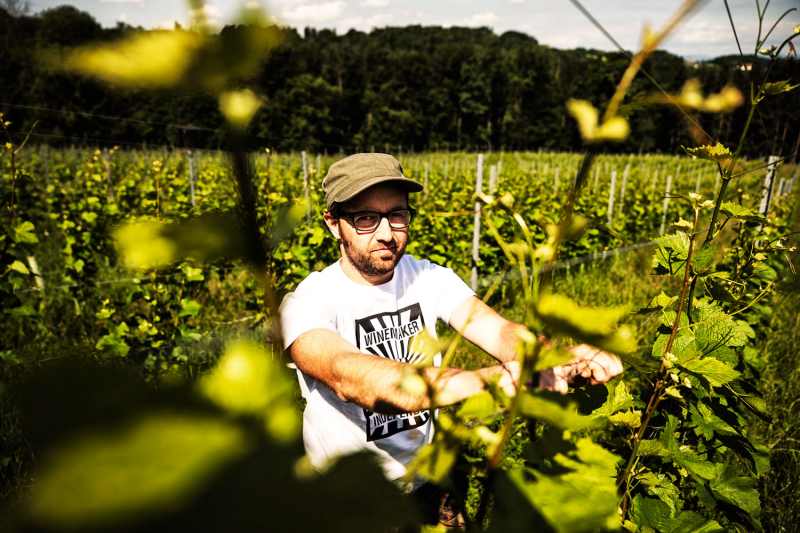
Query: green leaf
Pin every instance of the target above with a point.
(536, 405)
(732, 210)
(112, 345)
(191, 273)
(752, 398)
(23, 233)
(650, 512)
(247, 382)
(8, 357)
(23, 310)
(20, 267)
(704, 495)
(629, 419)
(702, 256)
(122, 472)
(683, 455)
(581, 497)
(189, 308)
(652, 448)
(691, 522)
(778, 87)
(714, 371)
(478, 406)
(552, 357)
(718, 154)
(715, 328)
(734, 489)
(718, 291)
(683, 347)
(753, 454)
(708, 422)
(656, 303)
(671, 254)
(593, 326)
(89, 216)
(617, 400)
(435, 460)
(662, 488)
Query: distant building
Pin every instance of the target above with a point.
(746, 66)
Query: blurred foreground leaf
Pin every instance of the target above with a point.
(146, 244)
(114, 473)
(579, 494)
(246, 381)
(593, 326)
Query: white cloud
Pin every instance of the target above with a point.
(121, 1)
(375, 3)
(479, 19)
(122, 17)
(314, 12)
(252, 5)
(351, 22)
(516, 1)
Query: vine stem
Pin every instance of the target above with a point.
(655, 398)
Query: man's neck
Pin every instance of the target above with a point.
(359, 277)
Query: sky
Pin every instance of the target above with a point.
(556, 23)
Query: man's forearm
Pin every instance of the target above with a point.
(509, 338)
(374, 383)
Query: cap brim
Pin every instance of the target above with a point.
(355, 189)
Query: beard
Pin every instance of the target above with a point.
(372, 264)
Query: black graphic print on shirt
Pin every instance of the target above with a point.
(392, 335)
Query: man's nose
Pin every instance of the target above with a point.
(384, 230)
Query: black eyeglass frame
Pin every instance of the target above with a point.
(352, 217)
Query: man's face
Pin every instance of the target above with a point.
(374, 253)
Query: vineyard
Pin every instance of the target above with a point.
(142, 386)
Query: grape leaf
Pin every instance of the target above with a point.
(593, 326)
(581, 497)
(656, 303)
(778, 87)
(713, 327)
(478, 406)
(732, 488)
(630, 419)
(732, 210)
(535, 405)
(718, 153)
(708, 422)
(718, 292)
(23, 233)
(617, 400)
(662, 488)
(713, 370)
(19, 267)
(189, 308)
(652, 447)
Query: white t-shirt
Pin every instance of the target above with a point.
(381, 320)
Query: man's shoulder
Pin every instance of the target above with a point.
(417, 267)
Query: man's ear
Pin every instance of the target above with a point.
(333, 225)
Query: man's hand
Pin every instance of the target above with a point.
(589, 363)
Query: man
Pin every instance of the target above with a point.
(351, 329)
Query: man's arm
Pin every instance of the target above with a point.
(373, 382)
(499, 337)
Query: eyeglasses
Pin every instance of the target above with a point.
(370, 220)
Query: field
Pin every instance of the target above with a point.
(73, 300)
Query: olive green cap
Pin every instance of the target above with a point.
(356, 173)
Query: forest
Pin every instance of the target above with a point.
(393, 89)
